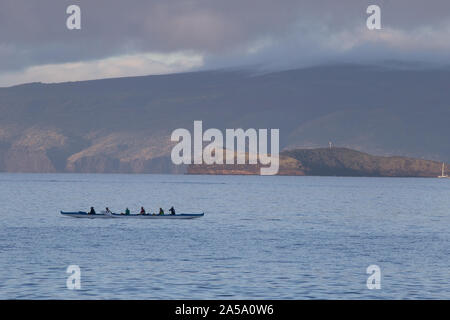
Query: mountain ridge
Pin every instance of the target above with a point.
(124, 124)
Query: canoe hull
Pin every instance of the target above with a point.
(81, 214)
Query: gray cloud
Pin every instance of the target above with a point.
(226, 33)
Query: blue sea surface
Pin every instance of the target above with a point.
(261, 237)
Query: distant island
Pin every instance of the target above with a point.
(333, 162)
(124, 125)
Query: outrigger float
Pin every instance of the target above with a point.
(105, 215)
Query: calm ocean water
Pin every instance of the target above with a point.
(261, 237)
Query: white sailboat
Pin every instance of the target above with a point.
(443, 175)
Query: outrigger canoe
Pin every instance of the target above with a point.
(82, 214)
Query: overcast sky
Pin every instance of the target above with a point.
(138, 37)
